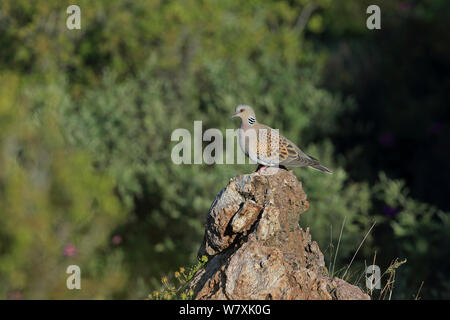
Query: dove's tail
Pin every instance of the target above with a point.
(321, 168)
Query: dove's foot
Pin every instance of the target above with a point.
(260, 168)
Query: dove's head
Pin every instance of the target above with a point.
(244, 112)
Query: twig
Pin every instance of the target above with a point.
(305, 15)
(358, 249)
(373, 263)
(337, 249)
(331, 244)
(417, 295)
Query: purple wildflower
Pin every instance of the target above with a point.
(70, 250)
(389, 211)
(117, 239)
(15, 295)
(436, 128)
(387, 139)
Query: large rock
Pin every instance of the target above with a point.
(256, 248)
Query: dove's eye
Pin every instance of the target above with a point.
(242, 110)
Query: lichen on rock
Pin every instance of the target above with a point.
(256, 248)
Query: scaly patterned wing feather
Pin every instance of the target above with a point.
(274, 149)
(291, 155)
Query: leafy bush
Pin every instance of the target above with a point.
(56, 209)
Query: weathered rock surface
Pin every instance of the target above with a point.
(256, 248)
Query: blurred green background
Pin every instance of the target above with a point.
(86, 116)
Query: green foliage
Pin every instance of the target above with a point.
(419, 230)
(127, 125)
(56, 209)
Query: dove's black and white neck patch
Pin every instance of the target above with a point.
(251, 120)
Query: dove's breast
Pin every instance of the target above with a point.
(242, 142)
(249, 143)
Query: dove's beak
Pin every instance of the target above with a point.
(234, 115)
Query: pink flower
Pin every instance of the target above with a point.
(70, 250)
(405, 6)
(15, 295)
(117, 239)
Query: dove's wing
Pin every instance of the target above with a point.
(274, 149)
